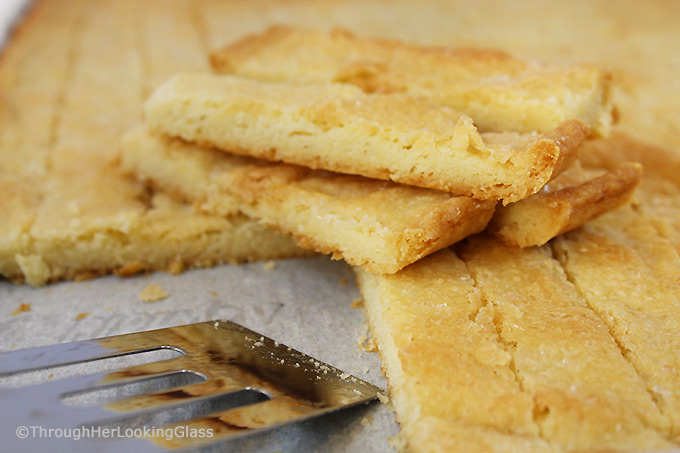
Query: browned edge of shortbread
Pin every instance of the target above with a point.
(536, 220)
(451, 221)
(221, 59)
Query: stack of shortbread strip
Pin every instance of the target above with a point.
(534, 365)
(487, 347)
(419, 174)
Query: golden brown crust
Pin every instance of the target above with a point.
(409, 223)
(569, 137)
(427, 331)
(556, 210)
(459, 334)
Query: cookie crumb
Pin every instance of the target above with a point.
(213, 293)
(269, 266)
(383, 398)
(366, 421)
(370, 346)
(153, 293)
(357, 303)
(22, 308)
(129, 269)
(342, 281)
(83, 315)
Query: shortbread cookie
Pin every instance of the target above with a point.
(499, 92)
(499, 340)
(628, 275)
(187, 172)
(449, 376)
(565, 203)
(339, 128)
(379, 225)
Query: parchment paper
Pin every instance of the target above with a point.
(303, 303)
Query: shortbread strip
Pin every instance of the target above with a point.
(500, 340)
(565, 203)
(448, 374)
(188, 172)
(379, 225)
(339, 128)
(500, 92)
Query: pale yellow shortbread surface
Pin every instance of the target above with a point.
(500, 92)
(68, 91)
(337, 127)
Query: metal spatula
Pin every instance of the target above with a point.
(225, 381)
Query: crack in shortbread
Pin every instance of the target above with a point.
(561, 352)
(623, 350)
(508, 345)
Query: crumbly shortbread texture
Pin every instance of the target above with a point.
(339, 128)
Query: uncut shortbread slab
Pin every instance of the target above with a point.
(500, 92)
(498, 340)
(565, 203)
(337, 127)
(379, 225)
(69, 91)
(626, 267)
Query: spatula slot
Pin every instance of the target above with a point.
(89, 366)
(116, 392)
(175, 413)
